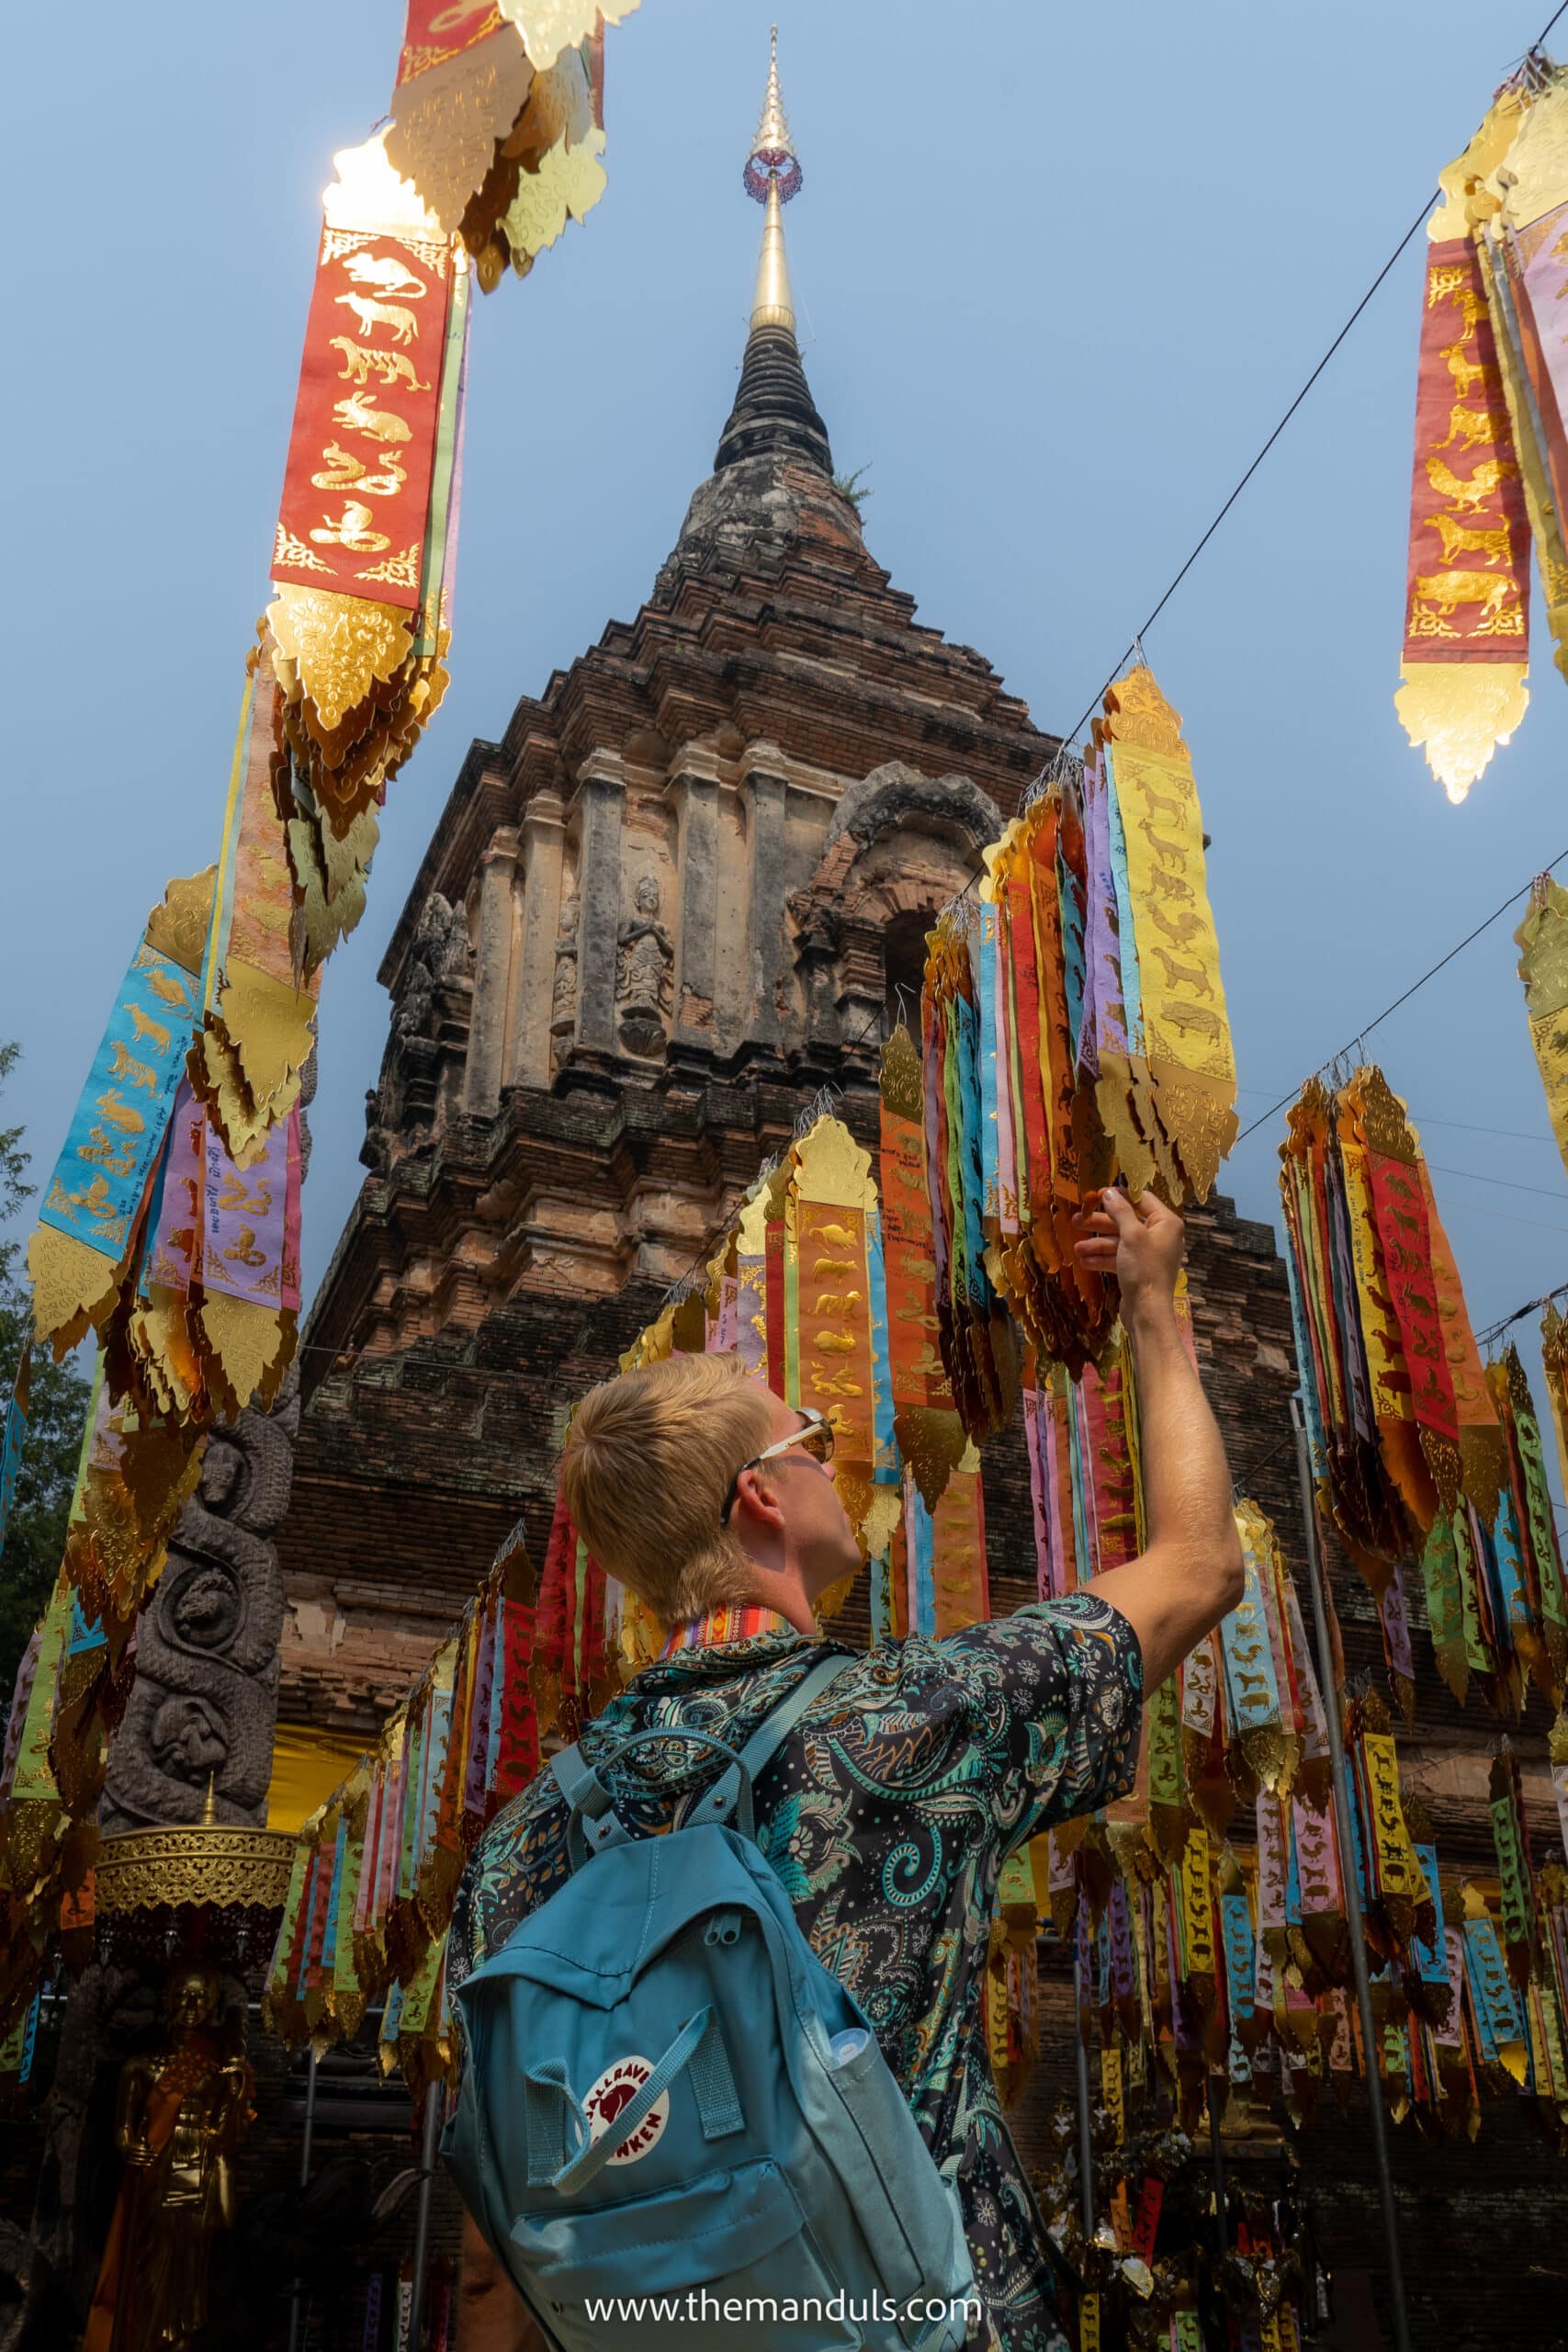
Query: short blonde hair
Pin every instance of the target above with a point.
(645, 1469)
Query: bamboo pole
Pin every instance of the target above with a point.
(1377, 2120)
(433, 2099)
(1086, 2133)
(305, 2152)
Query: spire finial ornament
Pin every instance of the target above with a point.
(772, 164)
(773, 415)
(773, 175)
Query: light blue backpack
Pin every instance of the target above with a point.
(674, 2127)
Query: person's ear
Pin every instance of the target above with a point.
(757, 1495)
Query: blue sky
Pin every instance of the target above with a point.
(1057, 280)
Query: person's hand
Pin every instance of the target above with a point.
(1141, 1242)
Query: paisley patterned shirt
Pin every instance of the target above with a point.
(887, 1814)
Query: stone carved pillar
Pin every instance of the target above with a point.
(694, 789)
(543, 837)
(601, 797)
(763, 795)
(205, 1699)
(493, 978)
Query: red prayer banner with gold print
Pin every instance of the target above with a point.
(919, 1378)
(1467, 585)
(362, 453)
(436, 30)
(1483, 1452)
(925, 1424)
(1399, 1207)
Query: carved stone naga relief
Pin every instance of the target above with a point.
(205, 1701)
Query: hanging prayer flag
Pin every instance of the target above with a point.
(1543, 1630)
(257, 1029)
(1263, 1754)
(87, 1224)
(1180, 1025)
(975, 1332)
(463, 79)
(1542, 939)
(377, 1867)
(1519, 247)
(185, 1256)
(833, 1193)
(375, 434)
(1497, 2015)
(1492, 429)
(1419, 1451)
(13, 1438)
(1467, 582)
(1073, 1026)
(928, 1432)
(1510, 1838)
(376, 323)
(499, 117)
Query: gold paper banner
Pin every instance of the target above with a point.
(1186, 1035)
(1466, 647)
(1542, 941)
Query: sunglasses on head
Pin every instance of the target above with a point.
(814, 1437)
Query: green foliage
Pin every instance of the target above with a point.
(847, 486)
(35, 1536)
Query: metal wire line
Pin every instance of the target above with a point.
(1359, 1036)
(1417, 224)
(1496, 1330)
(1135, 644)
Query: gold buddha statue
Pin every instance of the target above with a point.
(181, 2114)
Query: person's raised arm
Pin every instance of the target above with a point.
(1189, 1573)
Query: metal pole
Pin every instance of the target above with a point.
(1217, 2164)
(433, 2099)
(1375, 2116)
(294, 2310)
(1085, 2135)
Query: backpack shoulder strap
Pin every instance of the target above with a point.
(594, 1825)
(719, 1802)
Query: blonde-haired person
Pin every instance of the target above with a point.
(890, 1809)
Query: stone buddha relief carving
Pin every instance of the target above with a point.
(563, 984)
(563, 991)
(644, 974)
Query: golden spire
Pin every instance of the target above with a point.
(773, 175)
(773, 138)
(771, 304)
